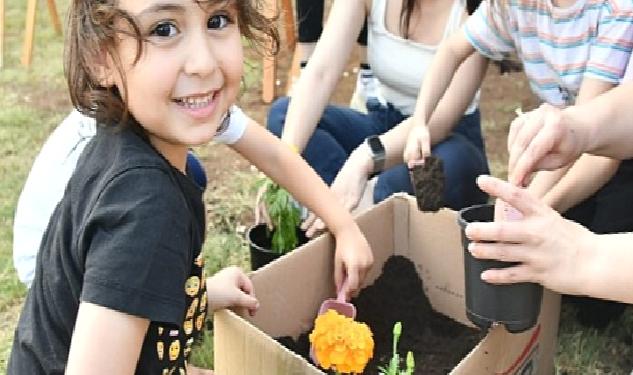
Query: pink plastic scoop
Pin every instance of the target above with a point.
(340, 304)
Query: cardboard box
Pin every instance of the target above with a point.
(291, 289)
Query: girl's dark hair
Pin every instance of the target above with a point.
(405, 16)
(409, 5)
(92, 35)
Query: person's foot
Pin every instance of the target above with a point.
(367, 93)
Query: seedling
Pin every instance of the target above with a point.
(283, 214)
(393, 368)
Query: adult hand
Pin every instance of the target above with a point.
(348, 187)
(546, 245)
(418, 145)
(541, 140)
(230, 287)
(352, 259)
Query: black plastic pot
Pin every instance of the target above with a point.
(259, 240)
(516, 306)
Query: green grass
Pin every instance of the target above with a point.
(33, 101)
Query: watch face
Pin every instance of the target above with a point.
(375, 145)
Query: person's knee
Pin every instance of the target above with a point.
(391, 181)
(277, 116)
(462, 162)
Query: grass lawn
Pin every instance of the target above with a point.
(34, 100)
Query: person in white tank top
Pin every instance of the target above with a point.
(403, 37)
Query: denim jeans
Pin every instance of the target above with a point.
(342, 129)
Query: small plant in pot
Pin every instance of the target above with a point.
(279, 233)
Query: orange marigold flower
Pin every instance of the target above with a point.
(340, 343)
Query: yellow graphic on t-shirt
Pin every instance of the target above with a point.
(174, 350)
(192, 308)
(199, 321)
(192, 286)
(188, 325)
(160, 348)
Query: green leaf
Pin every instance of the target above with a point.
(284, 215)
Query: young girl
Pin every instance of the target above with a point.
(119, 286)
(572, 51)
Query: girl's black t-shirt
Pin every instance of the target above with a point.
(127, 235)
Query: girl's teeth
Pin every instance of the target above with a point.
(194, 103)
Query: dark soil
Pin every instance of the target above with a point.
(428, 184)
(438, 342)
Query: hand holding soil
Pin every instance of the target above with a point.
(418, 146)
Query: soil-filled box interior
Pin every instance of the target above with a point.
(437, 342)
(291, 289)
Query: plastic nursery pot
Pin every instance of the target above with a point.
(516, 306)
(259, 240)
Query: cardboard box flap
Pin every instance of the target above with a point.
(242, 349)
(440, 263)
(289, 300)
(377, 226)
(529, 352)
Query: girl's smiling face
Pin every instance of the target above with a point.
(188, 73)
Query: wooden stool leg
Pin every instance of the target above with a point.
(1, 31)
(27, 50)
(269, 64)
(52, 11)
(289, 19)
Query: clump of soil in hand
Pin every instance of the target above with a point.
(437, 342)
(428, 184)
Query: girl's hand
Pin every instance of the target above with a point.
(352, 259)
(418, 146)
(230, 287)
(546, 245)
(541, 140)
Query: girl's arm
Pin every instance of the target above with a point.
(448, 58)
(319, 78)
(460, 93)
(105, 341)
(288, 169)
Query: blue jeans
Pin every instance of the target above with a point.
(195, 170)
(342, 129)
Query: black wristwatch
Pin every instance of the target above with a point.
(378, 154)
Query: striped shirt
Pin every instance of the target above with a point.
(558, 46)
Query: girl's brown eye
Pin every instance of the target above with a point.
(164, 29)
(218, 21)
